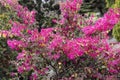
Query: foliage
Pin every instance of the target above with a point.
(75, 48)
(115, 32)
(5, 16)
(93, 6)
(113, 3)
(110, 3)
(117, 4)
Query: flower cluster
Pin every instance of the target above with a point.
(88, 45)
(17, 29)
(16, 44)
(105, 23)
(26, 15)
(70, 5)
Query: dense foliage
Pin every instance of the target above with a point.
(89, 6)
(77, 48)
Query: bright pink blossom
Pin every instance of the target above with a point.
(27, 16)
(56, 42)
(17, 29)
(21, 55)
(16, 44)
(20, 69)
(34, 76)
(105, 23)
(46, 33)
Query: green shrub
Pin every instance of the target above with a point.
(116, 32)
(109, 3)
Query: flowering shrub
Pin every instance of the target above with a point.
(69, 51)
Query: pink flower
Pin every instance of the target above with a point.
(56, 42)
(27, 66)
(54, 21)
(89, 30)
(17, 29)
(56, 56)
(34, 76)
(113, 71)
(16, 44)
(72, 49)
(21, 55)
(13, 74)
(27, 16)
(105, 23)
(70, 5)
(34, 35)
(46, 33)
(20, 69)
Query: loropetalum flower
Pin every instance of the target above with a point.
(17, 29)
(20, 69)
(71, 5)
(69, 11)
(35, 36)
(72, 49)
(16, 44)
(28, 17)
(34, 76)
(46, 33)
(89, 45)
(26, 63)
(105, 23)
(57, 41)
(113, 62)
(21, 55)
